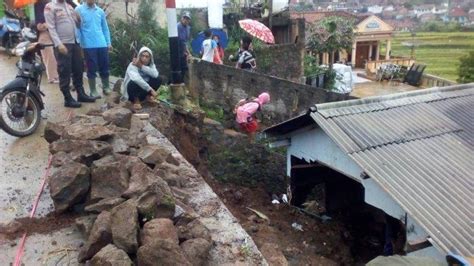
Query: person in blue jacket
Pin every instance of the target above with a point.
(94, 36)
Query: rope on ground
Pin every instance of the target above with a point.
(19, 253)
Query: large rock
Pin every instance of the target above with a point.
(125, 226)
(194, 229)
(103, 205)
(109, 178)
(99, 237)
(159, 229)
(161, 252)
(153, 154)
(81, 151)
(118, 116)
(156, 205)
(53, 131)
(61, 158)
(196, 250)
(69, 185)
(87, 131)
(119, 145)
(85, 223)
(110, 255)
(141, 178)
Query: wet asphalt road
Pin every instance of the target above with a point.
(22, 167)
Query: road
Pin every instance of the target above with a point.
(22, 167)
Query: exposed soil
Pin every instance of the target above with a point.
(44, 225)
(318, 244)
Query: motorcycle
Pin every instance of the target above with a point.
(10, 30)
(21, 99)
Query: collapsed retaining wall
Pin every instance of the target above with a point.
(224, 86)
(152, 205)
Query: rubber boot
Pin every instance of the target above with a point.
(106, 85)
(83, 97)
(69, 101)
(93, 89)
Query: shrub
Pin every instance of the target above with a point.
(466, 68)
(129, 36)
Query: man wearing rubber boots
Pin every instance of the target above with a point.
(62, 21)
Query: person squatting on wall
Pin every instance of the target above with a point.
(141, 79)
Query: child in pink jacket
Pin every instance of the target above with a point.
(245, 112)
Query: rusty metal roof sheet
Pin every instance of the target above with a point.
(419, 147)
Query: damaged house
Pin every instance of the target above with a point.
(410, 155)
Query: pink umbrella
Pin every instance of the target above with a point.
(257, 30)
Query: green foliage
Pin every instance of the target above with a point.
(164, 93)
(213, 112)
(311, 66)
(249, 165)
(129, 36)
(330, 79)
(466, 68)
(331, 34)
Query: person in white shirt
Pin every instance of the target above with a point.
(209, 47)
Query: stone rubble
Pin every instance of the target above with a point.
(153, 207)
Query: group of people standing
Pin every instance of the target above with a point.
(74, 32)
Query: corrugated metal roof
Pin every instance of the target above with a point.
(419, 147)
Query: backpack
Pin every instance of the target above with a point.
(245, 101)
(249, 61)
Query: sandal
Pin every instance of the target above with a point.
(150, 99)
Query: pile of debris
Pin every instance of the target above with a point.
(120, 168)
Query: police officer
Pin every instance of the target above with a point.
(62, 21)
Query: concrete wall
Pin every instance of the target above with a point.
(283, 60)
(224, 86)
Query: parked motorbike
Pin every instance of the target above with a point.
(21, 99)
(10, 30)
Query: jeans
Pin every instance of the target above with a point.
(97, 59)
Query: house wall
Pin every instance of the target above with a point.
(314, 145)
(223, 86)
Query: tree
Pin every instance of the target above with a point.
(466, 68)
(330, 35)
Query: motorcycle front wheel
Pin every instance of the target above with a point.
(20, 115)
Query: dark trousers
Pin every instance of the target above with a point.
(136, 92)
(70, 64)
(97, 59)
